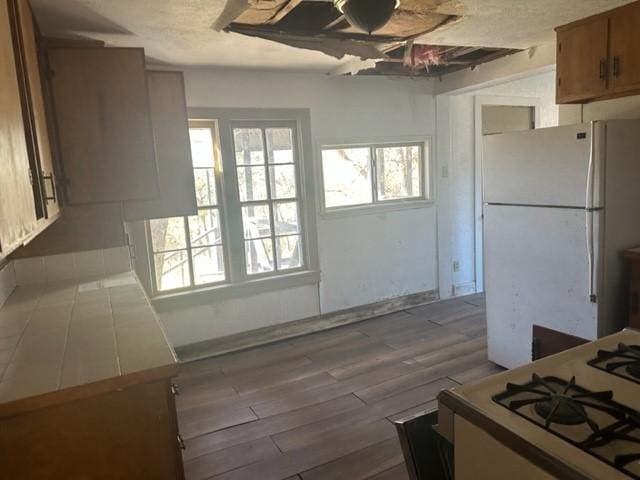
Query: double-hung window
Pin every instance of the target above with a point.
(370, 174)
(251, 209)
(266, 169)
(189, 251)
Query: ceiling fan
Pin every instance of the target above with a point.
(367, 15)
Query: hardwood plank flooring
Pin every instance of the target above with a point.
(321, 406)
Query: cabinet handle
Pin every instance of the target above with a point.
(181, 443)
(616, 66)
(603, 69)
(53, 196)
(175, 389)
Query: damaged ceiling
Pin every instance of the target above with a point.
(179, 32)
(319, 25)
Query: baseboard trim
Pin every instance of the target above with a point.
(297, 328)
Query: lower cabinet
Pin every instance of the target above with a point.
(130, 433)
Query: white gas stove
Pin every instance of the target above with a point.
(572, 415)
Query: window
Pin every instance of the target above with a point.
(267, 184)
(189, 251)
(251, 195)
(362, 175)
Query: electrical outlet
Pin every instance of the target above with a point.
(445, 171)
(456, 266)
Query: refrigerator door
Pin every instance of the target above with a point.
(559, 166)
(536, 272)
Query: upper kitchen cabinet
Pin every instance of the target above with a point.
(582, 60)
(17, 206)
(104, 124)
(597, 57)
(45, 189)
(173, 151)
(625, 57)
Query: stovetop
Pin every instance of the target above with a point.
(591, 421)
(581, 406)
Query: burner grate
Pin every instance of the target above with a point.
(623, 362)
(591, 421)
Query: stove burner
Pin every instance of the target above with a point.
(566, 407)
(561, 409)
(623, 362)
(591, 421)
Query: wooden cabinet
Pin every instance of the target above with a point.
(47, 201)
(104, 126)
(633, 256)
(597, 58)
(173, 151)
(582, 60)
(17, 206)
(625, 57)
(125, 433)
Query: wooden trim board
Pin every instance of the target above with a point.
(296, 328)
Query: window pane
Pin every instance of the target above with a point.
(172, 270)
(279, 145)
(204, 228)
(286, 218)
(256, 221)
(205, 187)
(347, 176)
(259, 256)
(283, 181)
(249, 146)
(201, 147)
(168, 234)
(208, 265)
(398, 172)
(252, 184)
(289, 251)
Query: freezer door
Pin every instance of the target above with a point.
(536, 272)
(559, 166)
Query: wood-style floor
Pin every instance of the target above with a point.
(321, 406)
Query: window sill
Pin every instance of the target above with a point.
(376, 208)
(208, 295)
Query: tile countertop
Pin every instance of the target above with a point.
(59, 340)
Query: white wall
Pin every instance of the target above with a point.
(456, 145)
(619, 108)
(363, 258)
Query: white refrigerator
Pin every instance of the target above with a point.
(559, 206)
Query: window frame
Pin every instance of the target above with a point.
(299, 199)
(426, 197)
(219, 206)
(238, 282)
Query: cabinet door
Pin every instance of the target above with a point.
(17, 207)
(625, 57)
(36, 106)
(173, 151)
(104, 127)
(582, 61)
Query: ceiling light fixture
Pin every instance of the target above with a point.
(367, 15)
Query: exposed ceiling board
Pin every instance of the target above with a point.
(515, 23)
(174, 32)
(179, 31)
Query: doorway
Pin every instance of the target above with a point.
(495, 115)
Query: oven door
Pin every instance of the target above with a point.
(427, 455)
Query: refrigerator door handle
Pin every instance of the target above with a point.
(591, 257)
(590, 168)
(589, 214)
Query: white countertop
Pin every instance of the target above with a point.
(58, 336)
